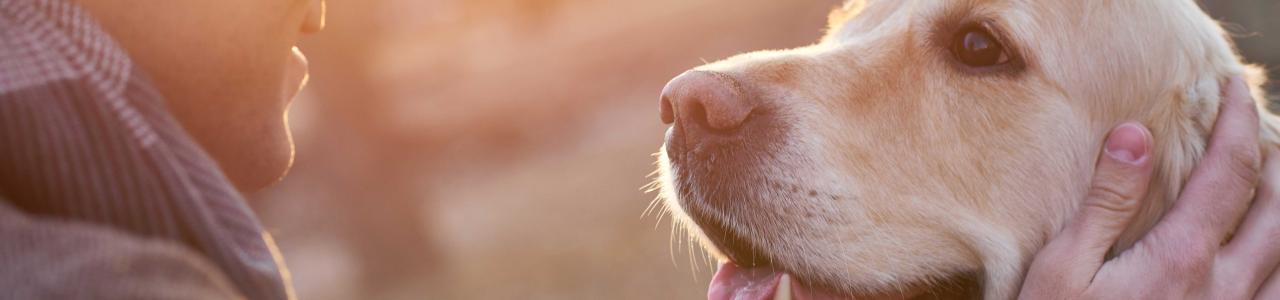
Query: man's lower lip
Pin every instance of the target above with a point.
(296, 75)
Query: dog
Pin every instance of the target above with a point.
(929, 148)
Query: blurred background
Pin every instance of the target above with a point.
(497, 149)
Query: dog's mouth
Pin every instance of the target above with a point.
(717, 179)
(758, 276)
(732, 282)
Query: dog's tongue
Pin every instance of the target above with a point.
(735, 283)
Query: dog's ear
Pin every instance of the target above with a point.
(1182, 135)
(1203, 100)
(1205, 97)
(842, 14)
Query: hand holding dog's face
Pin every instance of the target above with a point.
(1197, 251)
(924, 146)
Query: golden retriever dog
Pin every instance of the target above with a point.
(929, 148)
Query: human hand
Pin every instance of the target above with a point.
(1184, 255)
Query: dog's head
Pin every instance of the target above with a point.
(927, 146)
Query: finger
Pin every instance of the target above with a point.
(1220, 187)
(1254, 252)
(1120, 184)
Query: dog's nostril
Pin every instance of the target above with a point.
(698, 114)
(710, 100)
(668, 112)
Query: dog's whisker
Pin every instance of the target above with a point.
(656, 154)
(672, 245)
(653, 204)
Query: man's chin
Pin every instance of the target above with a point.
(256, 166)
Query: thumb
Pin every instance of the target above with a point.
(1120, 184)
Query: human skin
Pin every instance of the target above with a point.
(1183, 257)
(228, 69)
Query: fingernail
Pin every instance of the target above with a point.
(1128, 143)
(1237, 81)
(1233, 86)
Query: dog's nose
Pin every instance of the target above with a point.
(708, 100)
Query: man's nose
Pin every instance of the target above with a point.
(706, 101)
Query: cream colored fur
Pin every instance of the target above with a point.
(925, 172)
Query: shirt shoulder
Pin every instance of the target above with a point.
(44, 41)
(57, 259)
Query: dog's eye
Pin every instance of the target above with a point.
(975, 46)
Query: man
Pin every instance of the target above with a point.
(118, 121)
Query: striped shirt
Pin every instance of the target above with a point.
(85, 138)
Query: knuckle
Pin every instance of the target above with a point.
(1110, 199)
(1244, 162)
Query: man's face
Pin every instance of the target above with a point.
(228, 69)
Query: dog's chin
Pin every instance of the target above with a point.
(951, 286)
(763, 281)
(752, 271)
(773, 277)
(725, 199)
